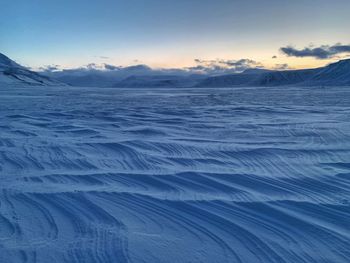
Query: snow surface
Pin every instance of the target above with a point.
(190, 175)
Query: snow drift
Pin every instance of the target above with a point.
(181, 175)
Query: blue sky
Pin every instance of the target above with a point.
(169, 33)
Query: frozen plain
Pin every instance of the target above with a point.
(165, 175)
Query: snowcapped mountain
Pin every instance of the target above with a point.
(96, 77)
(128, 77)
(336, 74)
(283, 78)
(170, 81)
(239, 79)
(13, 73)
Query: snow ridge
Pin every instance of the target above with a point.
(177, 175)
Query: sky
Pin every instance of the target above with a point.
(175, 33)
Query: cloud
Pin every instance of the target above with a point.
(321, 52)
(221, 66)
(108, 73)
(281, 67)
(140, 67)
(50, 68)
(111, 67)
(92, 66)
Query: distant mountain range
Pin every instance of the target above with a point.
(171, 81)
(13, 73)
(336, 74)
(139, 76)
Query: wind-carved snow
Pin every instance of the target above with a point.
(192, 175)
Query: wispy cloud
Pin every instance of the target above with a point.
(225, 66)
(281, 66)
(321, 52)
(111, 67)
(209, 67)
(50, 68)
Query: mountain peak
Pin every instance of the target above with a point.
(340, 63)
(335, 74)
(15, 74)
(7, 62)
(346, 60)
(255, 71)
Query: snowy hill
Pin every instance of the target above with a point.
(159, 81)
(131, 77)
(336, 74)
(242, 79)
(283, 78)
(13, 73)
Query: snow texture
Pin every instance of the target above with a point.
(166, 175)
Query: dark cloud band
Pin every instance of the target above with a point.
(322, 52)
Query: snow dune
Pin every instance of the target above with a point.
(190, 175)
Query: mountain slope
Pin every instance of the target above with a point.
(132, 77)
(13, 73)
(241, 79)
(336, 74)
(174, 81)
(283, 78)
(270, 78)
